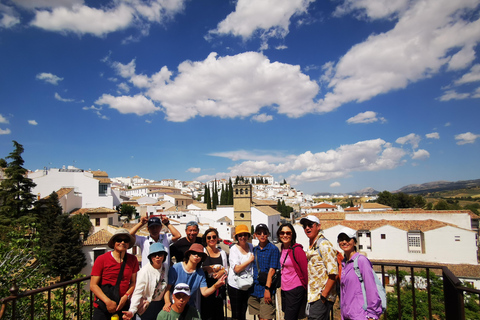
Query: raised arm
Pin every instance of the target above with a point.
(136, 227)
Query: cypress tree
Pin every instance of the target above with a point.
(230, 192)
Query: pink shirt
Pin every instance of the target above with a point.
(290, 278)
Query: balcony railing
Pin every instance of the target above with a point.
(73, 300)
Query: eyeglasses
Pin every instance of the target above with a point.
(285, 233)
(308, 224)
(211, 237)
(265, 233)
(120, 240)
(246, 235)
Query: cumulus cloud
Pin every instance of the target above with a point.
(97, 111)
(194, 170)
(462, 58)
(5, 131)
(117, 15)
(453, 95)
(412, 139)
(256, 155)
(59, 98)
(420, 154)
(139, 104)
(8, 16)
(365, 117)
(227, 87)
(426, 37)
(433, 135)
(335, 184)
(3, 119)
(263, 117)
(270, 18)
(476, 93)
(48, 77)
(466, 137)
(472, 76)
(369, 155)
(32, 122)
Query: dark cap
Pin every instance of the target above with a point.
(261, 226)
(154, 221)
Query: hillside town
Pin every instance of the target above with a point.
(418, 236)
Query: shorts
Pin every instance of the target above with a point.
(257, 306)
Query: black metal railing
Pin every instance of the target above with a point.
(74, 306)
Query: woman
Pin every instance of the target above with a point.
(106, 270)
(189, 272)
(240, 260)
(147, 299)
(293, 262)
(214, 266)
(352, 301)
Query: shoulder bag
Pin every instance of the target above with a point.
(112, 292)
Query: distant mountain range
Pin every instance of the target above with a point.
(434, 186)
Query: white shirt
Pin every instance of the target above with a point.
(236, 258)
(148, 279)
(145, 242)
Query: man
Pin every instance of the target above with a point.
(181, 295)
(322, 270)
(267, 260)
(179, 248)
(154, 228)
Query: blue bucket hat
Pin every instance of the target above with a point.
(157, 247)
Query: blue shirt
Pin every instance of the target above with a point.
(195, 281)
(268, 257)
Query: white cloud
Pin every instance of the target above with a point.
(453, 95)
(194, 170)
(271, 18)
(6, 131)
(476, 93)
(256, 155)
(3, 119)
(370, 155)
(376, 9)
(33, 4)
(97, 111)
(32, 122)
(117, 15)
(48, 77)
(419, 45)
(365, 117)
(335, 184)
(466, 137)
(472, 76)
(412, 139)
(263, 117)
(8, 18)
(228, 87)
(462, 58)
(123, 87)
(448, 124)
(59, 98)
(433, 135)
(124, 104)
(420, 154)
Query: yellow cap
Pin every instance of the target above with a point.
(241, 229)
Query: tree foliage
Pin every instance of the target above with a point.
(16, 197)
(127, 211)
(82, 224)
(400, 200)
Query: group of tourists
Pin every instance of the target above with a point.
(197, 285)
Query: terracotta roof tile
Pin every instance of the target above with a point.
(324, 205)
(98, 238)
(421, 225)
(459, 270)
(367, 205)
(269, 211)
(93, 210)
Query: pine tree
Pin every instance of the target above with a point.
(16, 197)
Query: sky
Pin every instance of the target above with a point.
(330, 95)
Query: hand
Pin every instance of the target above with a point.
(251, 257)
(220, 282)
(122, 302)
(167, 306)
(164, 219)
(144, 219)
(127, 315)
(267, 296)
(111, 306)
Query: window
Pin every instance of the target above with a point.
(457, 238)
(415, 242)
(97, 253)
(246, 191)
(102, 189)
(97, 222)
(242, 215)
(383, 236)
(236, 191)
(110, 221)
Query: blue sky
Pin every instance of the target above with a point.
(333, 96)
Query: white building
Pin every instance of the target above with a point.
(92, 186)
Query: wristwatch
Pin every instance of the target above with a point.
(267, 287)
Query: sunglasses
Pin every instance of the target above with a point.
(265, 233)
(158, 254)
(120, 240)
(308, 224)
(211, 237)
(182, 288)
(198, 254)
(343, 238)
(285, 233)
(243, 235)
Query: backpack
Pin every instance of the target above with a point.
(380, 289)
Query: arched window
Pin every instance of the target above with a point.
(241, 191)
(242, 215)
(236, 191)
(246, 191)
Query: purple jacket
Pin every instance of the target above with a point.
(351, 297)
(301, 265)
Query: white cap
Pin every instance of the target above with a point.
(309, 218)
(352, 234)
(182, 288)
